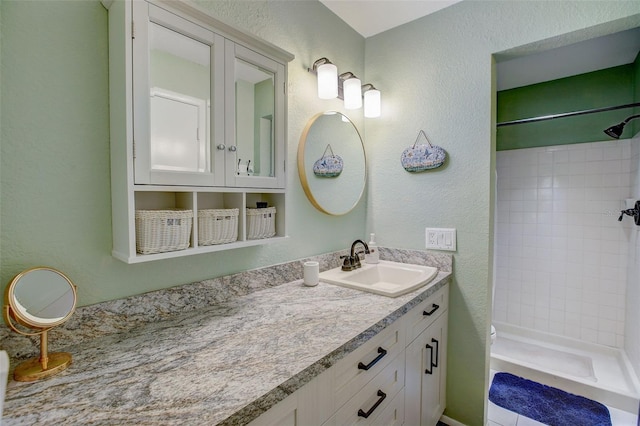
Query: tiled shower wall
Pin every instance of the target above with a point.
(562, 256)
(632, 332)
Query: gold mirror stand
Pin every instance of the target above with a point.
(43, 366)
(40, 367)
(61, 294)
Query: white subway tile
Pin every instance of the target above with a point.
(576, 169)
(530, 194)
(545, 170)
(611, 166)
(565, 254)
(606, 338)
(529, 229)
(577, 155)
(588, 319)
(588, 335)
(572, 331)
(560, 156)
(545, 157)
(556, 327)
(593, 180)
(594, 154)
(557, 303)
(513, 317)
(613, 152)
(546, 193)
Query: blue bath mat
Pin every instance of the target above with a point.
(551, 406)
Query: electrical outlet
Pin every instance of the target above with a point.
(441, 238)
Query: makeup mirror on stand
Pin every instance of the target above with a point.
(39, 299)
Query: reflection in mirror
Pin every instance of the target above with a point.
(180, 93)
(44, 297)
(39, 299)
(255, 104)
(336, 195)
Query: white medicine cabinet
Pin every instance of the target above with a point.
(198, 121)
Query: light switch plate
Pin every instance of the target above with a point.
(441, 238)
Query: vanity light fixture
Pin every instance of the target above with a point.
(371, 101)
(346, 86)
(352, 90)
(327, 78)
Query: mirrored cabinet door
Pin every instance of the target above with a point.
(255, 128)
(178, 100)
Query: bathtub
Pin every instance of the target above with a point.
(598, 372)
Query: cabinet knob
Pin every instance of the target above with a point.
(232, 148)
(221, 147)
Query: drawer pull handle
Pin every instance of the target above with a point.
(432, 364)
(382, 353)
(433, 309)
(435, 364)
(382, 396)
(429, 370)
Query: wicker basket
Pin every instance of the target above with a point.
(158, 231)
(261, 223)
(217, 226)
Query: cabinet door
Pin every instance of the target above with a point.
(178, 100)
(425, 383)
(255, 120)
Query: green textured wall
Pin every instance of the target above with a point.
(435, 74)
(55, 171)
(604, 88)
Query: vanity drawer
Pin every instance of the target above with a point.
(379, 400)
(423, 315)
(393, 415)
(359, 367)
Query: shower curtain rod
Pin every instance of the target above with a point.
(565, 114)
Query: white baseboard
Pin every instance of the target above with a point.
(450, 421)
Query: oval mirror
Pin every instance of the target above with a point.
(329, 135)
(40, 299)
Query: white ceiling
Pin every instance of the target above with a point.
(579, 58)
(370, 17)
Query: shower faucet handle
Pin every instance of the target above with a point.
(634, 213)
(628, 212)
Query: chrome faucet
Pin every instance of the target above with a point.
(352, 260)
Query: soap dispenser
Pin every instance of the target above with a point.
(373, 256)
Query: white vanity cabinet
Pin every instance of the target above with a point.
(392, 379)
(426, 356)
(178, 99)
(198, 121)
(254, 131)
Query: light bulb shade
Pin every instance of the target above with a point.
(327, 81)
(372, 103)
(352, 93)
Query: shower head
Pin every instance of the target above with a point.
(616, 131)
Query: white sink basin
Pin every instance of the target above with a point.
(386, 278)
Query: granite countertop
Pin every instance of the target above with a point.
(222, 364)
